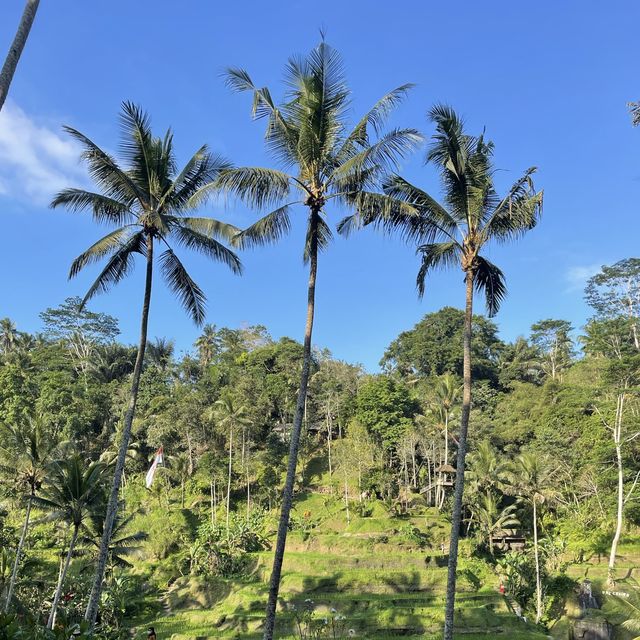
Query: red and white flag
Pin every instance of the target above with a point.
(152, 469)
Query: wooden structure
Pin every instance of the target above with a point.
(510, 540)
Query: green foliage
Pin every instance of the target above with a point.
(434, 347)
(518, 574)
(216, 553)
(311, 624)
(385, 407)
(168, 530)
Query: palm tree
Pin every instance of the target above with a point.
(181, 467)
(487, 470)
(123, 541)
(17, 46)
(30, 448)
(455, 233)
(148, 202)
(446, 394)
(231, 415)
(8, 336)
(73, 490)
(160, 352)
(322, 162)
(492, 520)
(532, 478)
(207, 344)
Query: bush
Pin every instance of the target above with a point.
(416, 537)
(216, 553)
(168, 531)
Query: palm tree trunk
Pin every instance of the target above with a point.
(537, 556)
(229, 474)
(213, 507)
(329, 430)
(620, 508)
(618, 531)
(287, 496)
(346, 496)
(63, 574)
(429, 478)
(15, 51)
(446, 439)
(248, 493)
(16, 562)
(112, 507)
(456, 517)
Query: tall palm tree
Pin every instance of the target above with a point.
(181, 470)
(322, 161)
(533, 478)
(147, 202)
(17, 46)
(446, 395)
(29, 447)
(73, 490)
(455, 233)
(230, 415)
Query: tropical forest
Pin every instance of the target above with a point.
(332, 380)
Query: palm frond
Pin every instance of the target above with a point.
(281, 136)
(118, 266)
(490, 279)
(376, 117)
(257, 186)
(104, 209)
(105, 171)
(435, 219)
(190, 238)
(136, 146)
(211, 227)
(239, 80)
(634, 110)
(518, 212)
(99, 249)
(201, 170)
(381, 157)
(438, 255)
(450, 146)
(384, 212)
(179, 281)
(318, 229)
(268, 229)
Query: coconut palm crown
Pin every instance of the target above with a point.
(472, 213)
(322, 159)
(147, 202)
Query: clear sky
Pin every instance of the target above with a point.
(548, 79)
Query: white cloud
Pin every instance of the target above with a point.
(35, 160)
(577, 276)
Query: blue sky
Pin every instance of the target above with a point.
(549, 80)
